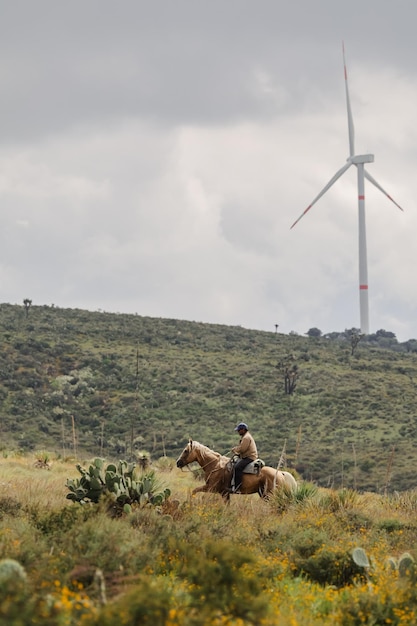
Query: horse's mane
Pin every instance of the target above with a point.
(205, 449)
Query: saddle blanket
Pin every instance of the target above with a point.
(254, 467)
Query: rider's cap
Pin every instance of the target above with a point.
(242, 425)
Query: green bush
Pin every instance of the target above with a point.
(20, 540)
(222, 579)
(57, 522)
(13, 577)
(329, 566)
(390, 525)
(368, 609)
(307, 541)
(112, 545)
(148, 603)
(9, 506)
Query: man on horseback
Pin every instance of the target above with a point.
(247, 452)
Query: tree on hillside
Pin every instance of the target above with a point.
(410, 345)
(27, 304)
(384, 338)
(334, 335)
(387, 334)
(289, 370)
(290, 378)
(354, 340)
(314, 332)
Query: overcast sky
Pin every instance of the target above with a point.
(154, 154)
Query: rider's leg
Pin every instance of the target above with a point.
(239, 467)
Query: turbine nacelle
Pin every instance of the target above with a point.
(361, 158)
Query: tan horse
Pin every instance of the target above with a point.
(217, 473)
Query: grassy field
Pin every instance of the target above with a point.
(195, 561)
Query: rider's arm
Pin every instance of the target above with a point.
(243, 447)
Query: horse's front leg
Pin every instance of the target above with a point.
(204, 488)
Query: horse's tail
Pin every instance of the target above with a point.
(281, 463)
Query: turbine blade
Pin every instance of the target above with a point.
(349, 110)
(378, 186)
(323, 191)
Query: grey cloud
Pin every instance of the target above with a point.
(154, 154)
(193, 61)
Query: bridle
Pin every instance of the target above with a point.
(202, 451)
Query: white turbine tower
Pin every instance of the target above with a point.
(359, 160)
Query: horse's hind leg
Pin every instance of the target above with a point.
(266, 488)
(263, 491)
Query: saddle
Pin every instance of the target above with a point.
(254, 467)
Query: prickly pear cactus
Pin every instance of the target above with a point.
(405, 564)
(392, 563)
(119, 481)
(360, 557)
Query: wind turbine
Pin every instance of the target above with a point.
(359, 160)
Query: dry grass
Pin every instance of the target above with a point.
(19, 478)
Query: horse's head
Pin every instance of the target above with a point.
(188, 455)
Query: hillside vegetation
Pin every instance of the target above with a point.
(116, 385)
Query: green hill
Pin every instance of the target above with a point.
(114, 385)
